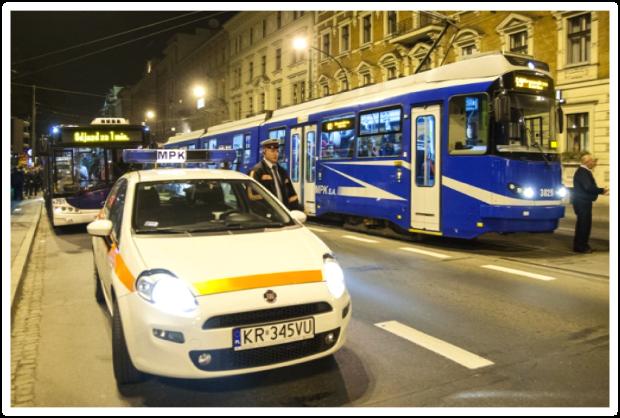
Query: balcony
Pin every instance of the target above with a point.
(421, 27)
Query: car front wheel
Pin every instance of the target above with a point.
(124, 370)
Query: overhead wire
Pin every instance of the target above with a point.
(116, 46)
(105, 38)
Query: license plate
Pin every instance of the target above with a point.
(273, 334)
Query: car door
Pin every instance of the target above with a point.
(116, 202)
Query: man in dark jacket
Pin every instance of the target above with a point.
(585, 192)
(271, 175)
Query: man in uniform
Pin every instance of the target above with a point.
(585, 192)
(271, 175)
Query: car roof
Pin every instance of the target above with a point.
(172, 174)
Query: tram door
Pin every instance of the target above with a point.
(425, 167)
(303, 165)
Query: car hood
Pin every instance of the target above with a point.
(218, 263)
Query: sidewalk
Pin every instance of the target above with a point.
(25, 216)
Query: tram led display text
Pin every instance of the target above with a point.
(531, 83)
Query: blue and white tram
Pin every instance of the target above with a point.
(461, 150)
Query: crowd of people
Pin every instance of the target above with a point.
(26, 182)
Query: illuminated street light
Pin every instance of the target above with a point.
(150, 115)
(199, 91)
(301, 44)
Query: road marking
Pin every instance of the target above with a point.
(372, 241)
(519, 272)
(312, 228)
(447, 350)
(425, 252)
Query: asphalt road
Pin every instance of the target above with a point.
(435, 323)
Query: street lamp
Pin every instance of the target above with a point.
(300, 44)
(150, 115)
(199, 91)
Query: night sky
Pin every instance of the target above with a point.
(35, 33)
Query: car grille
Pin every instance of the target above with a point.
(266, 315)
(229, 359)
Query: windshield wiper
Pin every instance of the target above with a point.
(238, 226)
(537, 145)
(161, 231)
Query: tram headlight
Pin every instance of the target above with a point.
(333, 276)
(562, 192)
(166, 291)
(528, 193)
(521, 191)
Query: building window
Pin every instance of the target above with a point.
(366, 79)
(251, 36)
(344, 38)
(391, 23)
(518, 43)
(263, 64)
(391, 73)
(278, 59)
(264, 28)
(295, 93)
(579, 30)
(367, 29)
(278, 97)
(325, 89)
(250, 105)
(577, 132)
(278, 20)
(251, 72)
(468, 50)
(262, 102)
(326, 44)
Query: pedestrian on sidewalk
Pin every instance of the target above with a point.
(585, 192)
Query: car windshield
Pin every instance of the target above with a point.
(192, 206)
(531, 126)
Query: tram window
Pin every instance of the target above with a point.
(337, 144)
(295, 149)
(380, 133)
(425, 155)
(468, 130)
(310, 153)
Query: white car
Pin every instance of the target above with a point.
(206, 274)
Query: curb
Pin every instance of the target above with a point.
(18, 267)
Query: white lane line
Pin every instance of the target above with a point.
(425, 252)
(372, 241)
(519, 272)
(447, 350)
(312, 228)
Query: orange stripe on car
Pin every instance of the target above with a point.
(123, 273)
(257, 281)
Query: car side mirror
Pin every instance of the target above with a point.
(299, 216)
(100, 228)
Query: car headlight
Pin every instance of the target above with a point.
(166, 291)
(333, 276)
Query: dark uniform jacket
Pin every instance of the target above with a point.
(261, 173)
(585, 189)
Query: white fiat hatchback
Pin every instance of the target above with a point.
(206, 274)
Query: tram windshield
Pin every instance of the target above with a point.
(531, 126)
